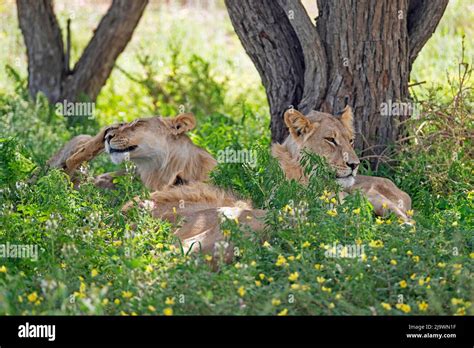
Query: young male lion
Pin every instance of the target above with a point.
(333, 138)
(176, 169)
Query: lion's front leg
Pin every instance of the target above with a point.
(106, 180)
(384, 196)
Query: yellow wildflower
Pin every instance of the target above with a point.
(393, 262)
(94, 273)
(403, 284)
(293, 277)
(376, 244)
(3, 269)
(127, 294)
(281, 261)
(403, 307)
(423, 306)
(168, 311)
(32, 297)
(283, 312)
(276, 302)
(332, 212)
(295, 286)
(241, 291)
(386, 306)
(169, 301)
(356, 211)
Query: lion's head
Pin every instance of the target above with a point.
(323, 134)
(161, 149)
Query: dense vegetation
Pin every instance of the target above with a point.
(94, 260)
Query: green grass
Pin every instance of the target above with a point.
(94, 260)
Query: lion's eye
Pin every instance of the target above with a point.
(331, 140)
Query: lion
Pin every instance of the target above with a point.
(333, 138)
(176, 170)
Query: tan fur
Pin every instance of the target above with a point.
(164, 150)
(315, 133)
(164, 156)
(58, 160)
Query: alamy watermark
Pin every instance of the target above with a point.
(349, 251)
(75, 109)
(229, 155)
(20, 251)
(394, 108)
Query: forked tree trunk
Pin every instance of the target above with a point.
(360, 50)
(47, 68)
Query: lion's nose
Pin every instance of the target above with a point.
(108, 137)
(352, 165)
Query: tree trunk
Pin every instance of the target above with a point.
(367, 54)
(47, 68)
(359, 50)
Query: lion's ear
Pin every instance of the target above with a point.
(347, 119)
(182, 123)
(297, 123)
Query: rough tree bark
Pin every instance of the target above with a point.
(359, 50)
(47, 70)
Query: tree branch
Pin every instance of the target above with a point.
(423, 18)
(283, 61)
(44, 47)
(315, 76)
(110, 39)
